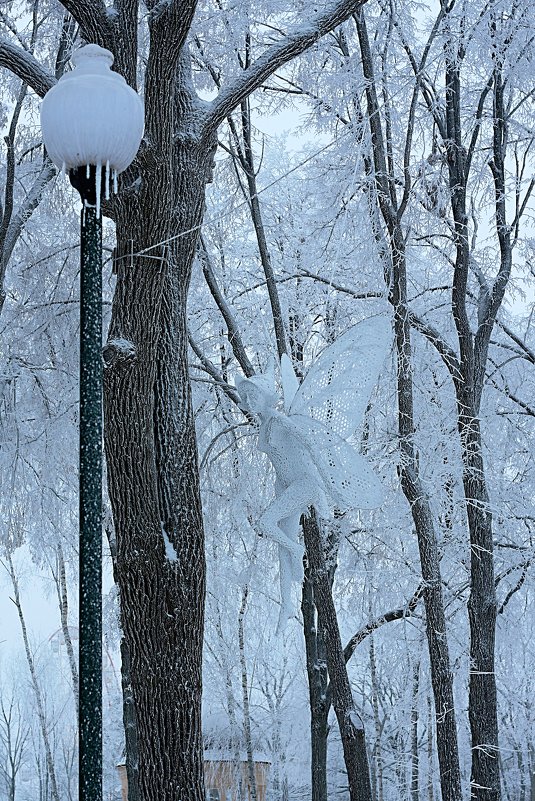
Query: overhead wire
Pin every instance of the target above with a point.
(215, 220)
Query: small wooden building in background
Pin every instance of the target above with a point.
(222, 776)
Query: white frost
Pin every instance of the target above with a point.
(124, 346)
(170, 553)
(356, 720)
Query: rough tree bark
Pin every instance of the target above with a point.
(349, 722)
(317, 676)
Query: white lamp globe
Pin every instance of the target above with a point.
(91, 116)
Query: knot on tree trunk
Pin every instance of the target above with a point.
(118, 353)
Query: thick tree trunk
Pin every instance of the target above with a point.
(350, 725)
(153, 474)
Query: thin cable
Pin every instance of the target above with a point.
(236, 208)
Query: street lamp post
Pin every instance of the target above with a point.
(92, 124)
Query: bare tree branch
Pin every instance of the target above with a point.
(26, 209)
(26, 67)
(369, 628)
(212, 371)
(293, 44)
(529, 355)
(517, 586)
(447, 354)
(233, 332)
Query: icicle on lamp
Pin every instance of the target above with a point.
(92, 124)
(92, 119)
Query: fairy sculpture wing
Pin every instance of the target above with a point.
(289, 381)
(338, 385)
(347, 476)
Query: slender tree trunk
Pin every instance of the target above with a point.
(63, 600)
(317, 675)
(415, 756)
(256, 215)
(349, 722)
(39, 701)
(385, 200)
(245, 698)
(482, 607)
(377, 751)
(280, 778)
(235, 734)
(430, 751)
(129, 711)
(441, 674)
(129, 725)
(13, 736)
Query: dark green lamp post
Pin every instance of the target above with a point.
(92, 124)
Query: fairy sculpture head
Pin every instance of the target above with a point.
(257, 394)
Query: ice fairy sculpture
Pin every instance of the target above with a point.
(315, 465)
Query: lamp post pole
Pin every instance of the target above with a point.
(90, 495)
(92, 124)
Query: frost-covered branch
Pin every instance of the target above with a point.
(7, 210)
(234, 336)
(212, 371)
(369, 628)
(387, 617)
(338, 287)
(528, 354)
(25, 211)
(26, 67)
(518, 586)
(293, 44)
(447, 354)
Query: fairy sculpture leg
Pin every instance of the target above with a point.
(293, 501)
(286, 578)
(289, 570)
